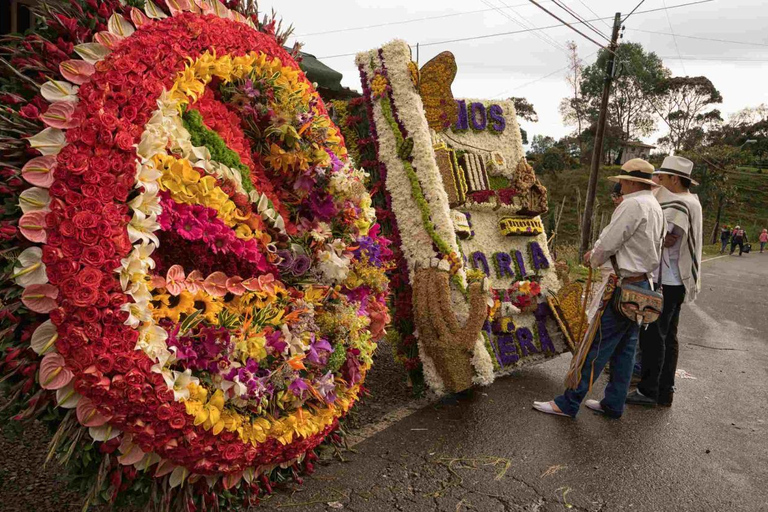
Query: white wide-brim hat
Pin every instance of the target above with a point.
(637, 170)
(677, 166)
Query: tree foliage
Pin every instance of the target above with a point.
(637, 76)
(685, 105)
(525, 110)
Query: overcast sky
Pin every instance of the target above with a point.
(529, 64)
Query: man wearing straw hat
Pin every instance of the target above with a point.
(633, 241)
(680, 281)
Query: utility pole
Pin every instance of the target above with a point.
(597, 152)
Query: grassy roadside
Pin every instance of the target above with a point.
(749, 210)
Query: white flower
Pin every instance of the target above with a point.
(152, 342)
(142, 227)
(138, 313)
(179, 382)
(29, 268)
(147, 203)
(334, 268)
(296, 345)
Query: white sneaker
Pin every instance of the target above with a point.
(594, 405)
(547, 408)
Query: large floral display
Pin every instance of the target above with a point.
(194, 279)
(465, 208)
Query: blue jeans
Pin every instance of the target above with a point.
(616, 341)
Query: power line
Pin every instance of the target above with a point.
(513, 32)
(713, 59)
(632, 11)
(578, 18)
(697, 37)
(523, 24)
(565, 23)
(403, 22)
(596, 15)
(527, 84)
(669, 21)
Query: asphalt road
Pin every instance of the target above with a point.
(492, 452)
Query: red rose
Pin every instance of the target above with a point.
(134, 377)
(129, 112)
(93, 256)
(178, 421)
(29, 111)
(84, 220)
(78, 164)
(164, 412)
(90, 277)
(92, 329)
(134, 393)
(67, 228)
(233, 450)
(90, 315)
(90, 189)
(90, 237)
(124, 140)
(85, 297)
(123, 363)
(71, 248)
(108, 120)
(57, 316)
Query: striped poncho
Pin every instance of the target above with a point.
(684, 211)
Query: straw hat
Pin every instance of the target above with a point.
(677, 166)
(637, 170)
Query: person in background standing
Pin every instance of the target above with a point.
(616, 195)
(725, 238)
(739, 238)
(680, 281)
(763, 239)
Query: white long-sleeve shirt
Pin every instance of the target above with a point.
(634, 235)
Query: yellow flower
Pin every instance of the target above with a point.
(183, 304)
(209, 305)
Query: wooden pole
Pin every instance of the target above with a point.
(597, 151)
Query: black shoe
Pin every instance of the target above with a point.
(665, 400)
(635, 398)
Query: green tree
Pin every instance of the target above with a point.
(685, 105)
(636, 78)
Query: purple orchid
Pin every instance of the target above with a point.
(298, 387)
(314, 355)
(326, 387)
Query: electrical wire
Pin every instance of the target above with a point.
(527, 84)
(500, 34)
(632, 11)
(582, 34)
(674, 39)
(522, 24)
(697, 37)
(578, 18)
(596, 15)
(403, 22)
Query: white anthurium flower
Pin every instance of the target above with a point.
(34, 199)
(178, 382)
(142, 227)
(29, 268)
(59, 90)
(49, 141)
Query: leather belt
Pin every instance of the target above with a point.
(635, 279)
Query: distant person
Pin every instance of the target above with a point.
(763, 240)
(631, 246)
(680, 281)
(739, 238)
(725, 238)
(616, 195)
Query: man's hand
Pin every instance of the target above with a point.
(587, 257)
(670, 240)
